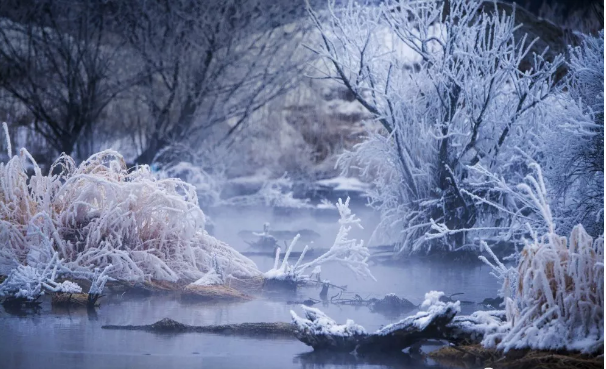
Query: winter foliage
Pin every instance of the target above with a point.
(464, 99)
(573, 147)
(99, 213)
(555, 298)
(348, 252)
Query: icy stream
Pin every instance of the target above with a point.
(59, 338)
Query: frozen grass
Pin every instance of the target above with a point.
(555, 298)
(99, 213)
(559, 298)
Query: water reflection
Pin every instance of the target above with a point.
(49, 337)
(66, 338)
(324, 359)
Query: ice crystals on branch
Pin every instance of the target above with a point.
(451, 84)
(350, 253)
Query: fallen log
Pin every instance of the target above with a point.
(425, 325)
(438, 322)
(166, 325)
(322, 333)
(70, 299)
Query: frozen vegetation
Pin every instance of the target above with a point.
(554, 300)
(470, 137)
(99, 214)
(466, 99)
(350, 253)
(484, 115)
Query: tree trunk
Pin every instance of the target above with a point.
(154, 146)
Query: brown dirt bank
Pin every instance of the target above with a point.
(476, 356)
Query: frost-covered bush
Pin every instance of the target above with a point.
(555, 298)
(208, 187)
(213, 277)
(573, 147)
(28, 283)
(99, 213)
(558, 302)
(454, 85)
(350, 253)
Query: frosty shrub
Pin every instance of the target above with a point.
(208, 187)
(574, 148)
(453, 85)
(99, 213)
(558, 301)
(555, 298)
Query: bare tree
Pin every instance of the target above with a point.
(207, 64)
(56, 61)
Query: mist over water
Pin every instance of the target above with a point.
(69, 338)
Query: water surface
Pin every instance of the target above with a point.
(59, 338)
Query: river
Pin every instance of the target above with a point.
(60, 338)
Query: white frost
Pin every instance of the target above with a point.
(317, 323)
(348, 252)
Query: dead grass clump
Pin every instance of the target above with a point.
(474, 356)
(213, 293)
(101, 213)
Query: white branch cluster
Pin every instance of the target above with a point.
(453, 85)
(350, 253)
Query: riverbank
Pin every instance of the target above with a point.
(474, 356)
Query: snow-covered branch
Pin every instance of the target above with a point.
(350, 253)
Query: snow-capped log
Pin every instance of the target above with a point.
(424, 325)
(436, 322)
(322, 333)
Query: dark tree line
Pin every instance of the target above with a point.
(191, 66)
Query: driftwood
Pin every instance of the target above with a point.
(438, 323)
(390, 304)
(307, 302)
(244, 329)
(74, 299)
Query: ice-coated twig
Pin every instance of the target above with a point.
(348, 252)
